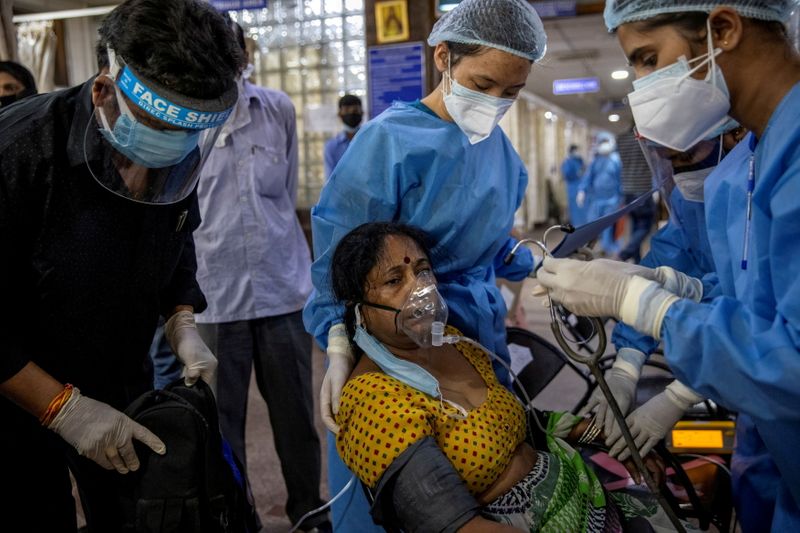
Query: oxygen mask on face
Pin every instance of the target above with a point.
(424, 312)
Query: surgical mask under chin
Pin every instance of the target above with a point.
(476, 113)
(691, 183)
(402, 370)
(143, 145)
(675, 110)
(690, 180)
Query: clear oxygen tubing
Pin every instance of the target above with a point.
(324, 507)
(438, 338)
(592, 361)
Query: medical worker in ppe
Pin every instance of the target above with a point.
(440, 164)
(682, 244)
(601, 187)
(739, 346)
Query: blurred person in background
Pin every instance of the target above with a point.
(572, 170)
(351, 114)
(600, 189)
(16, 83)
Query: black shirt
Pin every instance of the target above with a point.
(84, 273)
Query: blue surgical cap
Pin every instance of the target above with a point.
(619, 12)
(509, 25)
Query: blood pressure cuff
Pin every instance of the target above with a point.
(421, 491)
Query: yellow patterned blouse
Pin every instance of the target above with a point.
(380, 417)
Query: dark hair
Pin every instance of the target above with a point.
(573, 147)
(185, 45)
(461, 50)
(21, 74)
(692, 23)
(238, 33)
(349, 99)
(357, 254)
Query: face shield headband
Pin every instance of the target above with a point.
(151, 141)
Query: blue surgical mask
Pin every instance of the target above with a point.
(400, 369)
(409, 373)
(143, 145)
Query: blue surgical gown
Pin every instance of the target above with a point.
(572, 171)
(410, 166)
(602, 184)
(741, 348)
(681, 244)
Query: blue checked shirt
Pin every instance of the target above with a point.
(252, 257)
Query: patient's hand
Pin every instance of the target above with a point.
(653, 463)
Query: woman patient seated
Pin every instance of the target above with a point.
(441, 443)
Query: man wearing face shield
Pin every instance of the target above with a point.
(739, 345)
(442, 164)
(16, 83)
(97, 206)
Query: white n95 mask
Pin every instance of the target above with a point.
(677, 111)
(476, 113)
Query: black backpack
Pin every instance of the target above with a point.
(198, 486)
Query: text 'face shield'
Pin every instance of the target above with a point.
(159, 139)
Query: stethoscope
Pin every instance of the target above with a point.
(559, 315)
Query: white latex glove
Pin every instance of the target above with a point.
(182, 336)
(651, 422)
(602, 288)
(580, 198)
(679, 283)
(340, 364)
(103, 434)
(622, 378)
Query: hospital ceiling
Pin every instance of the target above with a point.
(580, 47)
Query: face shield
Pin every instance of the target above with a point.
(683, 173)
(158, 139)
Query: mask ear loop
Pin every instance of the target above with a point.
(709, 57)
(447, 76)
(359, 318)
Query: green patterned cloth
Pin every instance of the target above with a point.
(562, 494)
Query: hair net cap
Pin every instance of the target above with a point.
(619, 12)
(509, 25)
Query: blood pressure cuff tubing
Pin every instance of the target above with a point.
(421, 491)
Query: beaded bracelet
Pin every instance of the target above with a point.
(590, 433)
(55, 405)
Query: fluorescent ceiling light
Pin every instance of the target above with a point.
(613, 118)
(620, 74)
(65, 14)
(548, 115)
